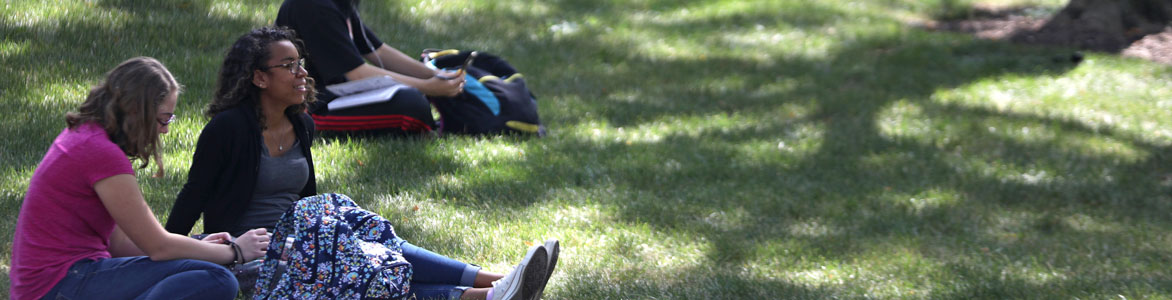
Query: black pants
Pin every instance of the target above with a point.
(409, 108)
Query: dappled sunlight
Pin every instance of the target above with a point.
(1053, 152)
(803, 140)
(59, 95)
(441, 227)
(925, 202)
(586, 231)
(10, 48)
(761, 42)
(1088, 144)
(1007, 227)
(485, 151)
(241, 10)
(635, 253)
(446, 182)
(435, 8)
(339, 163)
(635, 246)
(905, 119)
(818, 277)
(1100, 100)
(14, 182)
(658, 47)
(482, 165)
(893, 271)
(703, 126)
(704, 149)
(43, 17)
(1086, 223)
(728, 219)
(1010, 226)
(813, 228)
(183, 134)
(1027, 175)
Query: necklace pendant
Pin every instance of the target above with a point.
(281, 148)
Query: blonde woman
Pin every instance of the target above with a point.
(85, 231)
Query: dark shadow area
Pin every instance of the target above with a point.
(67, 56)
(1137, 35)
(726, 282)
(73, 51)
(840, 183)
(714, 183)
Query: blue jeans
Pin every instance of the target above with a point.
(140, 278)
(437, 276)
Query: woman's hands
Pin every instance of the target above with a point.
(253, 243)
(446, 84)
(217, 238)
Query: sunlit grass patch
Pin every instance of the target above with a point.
(703, 149)
(259, 14)
(10, 48)
(39, 16)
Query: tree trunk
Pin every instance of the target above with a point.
(1103, 25)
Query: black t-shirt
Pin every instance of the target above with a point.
(333, 47)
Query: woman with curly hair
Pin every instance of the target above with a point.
(85, 231)
(253, 161)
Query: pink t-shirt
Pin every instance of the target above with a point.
(62, 220)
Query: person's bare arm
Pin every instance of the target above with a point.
(396, 61)
(121, 246)
(408, 71)
(121, 196)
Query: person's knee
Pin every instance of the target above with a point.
(222, 282)
(218, 281)
(413, 100)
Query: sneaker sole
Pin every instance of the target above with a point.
(533, 261)
(552, 247)
(535, 270)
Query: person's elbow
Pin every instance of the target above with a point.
(162, 250)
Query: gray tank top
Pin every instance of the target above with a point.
(278, 184)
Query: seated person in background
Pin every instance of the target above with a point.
(337, 43)
(253, 160)
(85, 231)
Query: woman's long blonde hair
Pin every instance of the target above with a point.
(126, 104)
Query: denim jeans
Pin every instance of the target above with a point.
(140, 278)
(437, 276)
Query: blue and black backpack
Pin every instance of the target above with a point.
(495, 98)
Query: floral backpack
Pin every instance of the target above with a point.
(326, 247)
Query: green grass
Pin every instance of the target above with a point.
(703, 149)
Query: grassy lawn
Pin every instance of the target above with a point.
(702, 149)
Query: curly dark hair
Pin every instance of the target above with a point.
(125, 104)
(250, 52)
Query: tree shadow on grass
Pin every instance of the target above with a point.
(79, 50)
(61, 59)
(856, 182)
(712, 281)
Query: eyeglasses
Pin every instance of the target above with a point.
(293, 66)
(170, 118)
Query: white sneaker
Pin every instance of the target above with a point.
(525, 281)
(551, 249)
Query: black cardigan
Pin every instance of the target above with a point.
(224, 168)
